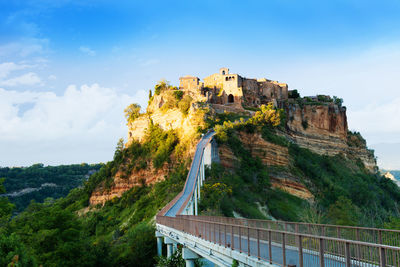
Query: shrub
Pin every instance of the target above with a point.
(343, 212)
(324, 98)
(294, 94)
(161, 86)
(132, 112)
(338, 101)
(178, 95)
(184, 104)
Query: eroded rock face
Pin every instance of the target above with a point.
(123, 183)
(323, 129)
(292, 186)
(170, 118)
(269, 153)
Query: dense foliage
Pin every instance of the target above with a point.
(369, 199)
(38, 182)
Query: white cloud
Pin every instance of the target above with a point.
(380, 118)
(7, 67)
(82, 124)
(52, 77)
(379, 124)
(29, 78)
(87, 50)
(24, 47)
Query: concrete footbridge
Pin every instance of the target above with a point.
(224, 241)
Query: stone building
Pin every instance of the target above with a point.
(190, 83)
(232, 89)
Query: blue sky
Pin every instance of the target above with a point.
(67, 68)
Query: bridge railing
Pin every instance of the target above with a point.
(364, 234)
(284, 247)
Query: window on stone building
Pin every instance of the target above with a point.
(223, 72)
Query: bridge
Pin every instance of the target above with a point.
(224, 241)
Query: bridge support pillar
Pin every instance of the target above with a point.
(170, 246)
(189, 257)
(195, 201)
(159, 243)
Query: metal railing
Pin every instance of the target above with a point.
(282, 247)
(364, 234)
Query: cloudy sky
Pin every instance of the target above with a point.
(68, 68)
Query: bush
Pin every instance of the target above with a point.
(161, 86)
(343, 212)
(132, 112)
(184, 104)
(139, 249)
(294, 94)
(178, 95)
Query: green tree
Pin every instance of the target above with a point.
(343, 212)
(119, 148)
(132, 112)
(338, 101)
(14, 253)
(6, 207)
(161, 86)
(294, 94)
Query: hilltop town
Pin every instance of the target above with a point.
(225, 88)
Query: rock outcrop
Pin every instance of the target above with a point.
(123, 183)
(269, 153)
(168, 118)
(323, 129)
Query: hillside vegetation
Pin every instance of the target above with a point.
(38, 182)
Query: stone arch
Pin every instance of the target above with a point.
(231, 99)
(223, 72)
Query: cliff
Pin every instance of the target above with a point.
(123, 182)
(164, 110)
(323, 129)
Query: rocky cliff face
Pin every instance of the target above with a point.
(167, 118)
(269, 153)
(123, 183)
(323, 129)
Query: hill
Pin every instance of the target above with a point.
(289, 158)
(38, 182)
(396, 174)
